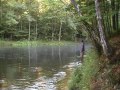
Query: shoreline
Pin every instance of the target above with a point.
(35, 43)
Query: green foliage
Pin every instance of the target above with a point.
(44, 16)
(71, 23)
(83, 75)
(11, 18)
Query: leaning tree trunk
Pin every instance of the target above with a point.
(91, 30)
(100, 40)
(105, 45)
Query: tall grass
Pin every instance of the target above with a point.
(82, 76)
(34, 43)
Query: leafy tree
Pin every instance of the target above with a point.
(86, 13)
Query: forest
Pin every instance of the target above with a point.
(98, 21)
(36, 20)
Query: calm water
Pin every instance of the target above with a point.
(34, 68)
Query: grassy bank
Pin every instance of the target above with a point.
(98, 73)
(34, 43)
(83, 75)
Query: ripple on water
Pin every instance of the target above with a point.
(44, 83)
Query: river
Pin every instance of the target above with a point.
(36, 68)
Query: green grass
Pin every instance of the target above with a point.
(82, 76)
(34, 43)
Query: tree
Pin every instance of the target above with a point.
(105, 45)
(88, 19)
(36, 19)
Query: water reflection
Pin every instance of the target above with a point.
(23, 68)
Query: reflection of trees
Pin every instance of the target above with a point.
(59, 51)
(3, 68)
(19, 72)
(51, 59)
(52, 52)
(29, 53)
(36, 55)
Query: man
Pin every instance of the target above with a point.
(82, 50)
(82, 46)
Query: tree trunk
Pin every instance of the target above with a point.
(52, 34)
(113, 17)
(117, 15)
(36, 30)
(1, 10)
(53, 30)
(105, 45)
(60, 31)
(115, 9)
(21, 26)
(29, 31)
(76, 7)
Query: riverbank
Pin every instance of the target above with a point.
(98, 73)
(82, 76)
(108, 77)
(34, 43)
